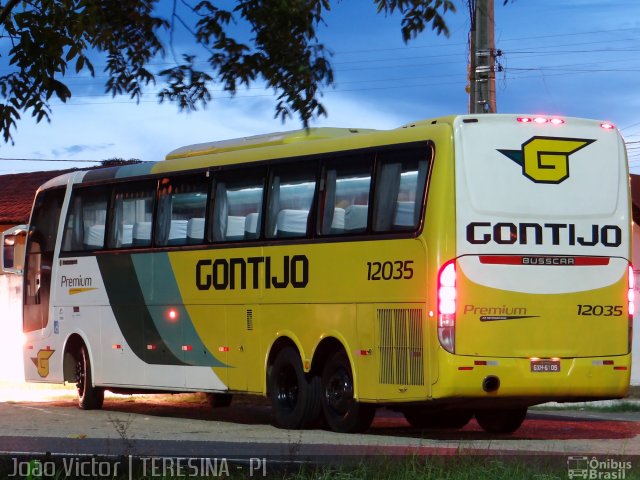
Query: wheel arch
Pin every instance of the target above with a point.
(328, 345)
(285, 339)
(72, 347)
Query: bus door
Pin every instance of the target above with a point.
(39, 264)
(39, 259)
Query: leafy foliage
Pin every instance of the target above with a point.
(44, 39)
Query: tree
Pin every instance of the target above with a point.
(44, 39)
(118, 162)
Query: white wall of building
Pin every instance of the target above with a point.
(11, 366)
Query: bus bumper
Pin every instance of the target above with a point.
(572, 379)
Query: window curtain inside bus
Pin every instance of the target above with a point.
(115, 233)
(387, 188)
(163, 225)
(220, 213)
(329, 201)
(423, 167)
(274, 207)
(77, 225)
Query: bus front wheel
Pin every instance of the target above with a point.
(341, 410)
(295, 399)
(89, 396)
(503, 420)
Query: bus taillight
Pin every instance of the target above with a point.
(447, 306)
(631, 307)
(631, 292)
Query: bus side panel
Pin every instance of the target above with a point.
(311, 292)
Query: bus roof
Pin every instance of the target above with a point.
(265, 140)
(277, 145)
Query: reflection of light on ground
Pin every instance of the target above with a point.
(33, 392)
(39, 392)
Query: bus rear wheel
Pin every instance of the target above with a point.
(295, 399)
(449, 419)
(89, 396)
(501, 420)
(341, 411)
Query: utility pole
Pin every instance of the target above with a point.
(482, 61)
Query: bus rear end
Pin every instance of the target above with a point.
(537, 304)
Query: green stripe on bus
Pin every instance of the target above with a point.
(162, 295)
(135, 170)
(131, 313)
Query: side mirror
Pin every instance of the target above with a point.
(13, 248)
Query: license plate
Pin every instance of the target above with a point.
(545, 365)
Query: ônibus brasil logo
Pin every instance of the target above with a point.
(546, 159)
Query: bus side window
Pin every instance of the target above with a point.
(182, 204)
(132, 215)
(290, 200)
(400, 183)
(346, 196)
(85, 222)
(237, 206)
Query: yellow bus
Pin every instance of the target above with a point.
(455, 267)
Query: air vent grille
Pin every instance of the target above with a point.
(401, 346)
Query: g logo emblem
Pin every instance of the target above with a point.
(42, 362)
(546, 159)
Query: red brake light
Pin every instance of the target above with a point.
(607, 126)
(540, 120)
(447, 306)
(631, 292)
(631, 306)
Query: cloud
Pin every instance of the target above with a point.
(72, 150)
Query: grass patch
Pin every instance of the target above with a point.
(440, 468)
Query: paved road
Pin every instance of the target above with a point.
(179, 425)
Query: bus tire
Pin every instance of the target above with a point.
(341, 411)
(446, 419)
(89, 396)
(295, 399)
(219, 400)
(501, 420)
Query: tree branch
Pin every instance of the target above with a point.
(6, 10)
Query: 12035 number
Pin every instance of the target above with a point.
(600, 310)
(397, 270)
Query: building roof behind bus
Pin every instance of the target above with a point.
(17, 192)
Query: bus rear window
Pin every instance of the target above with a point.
(346, 197)
(400, 183)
